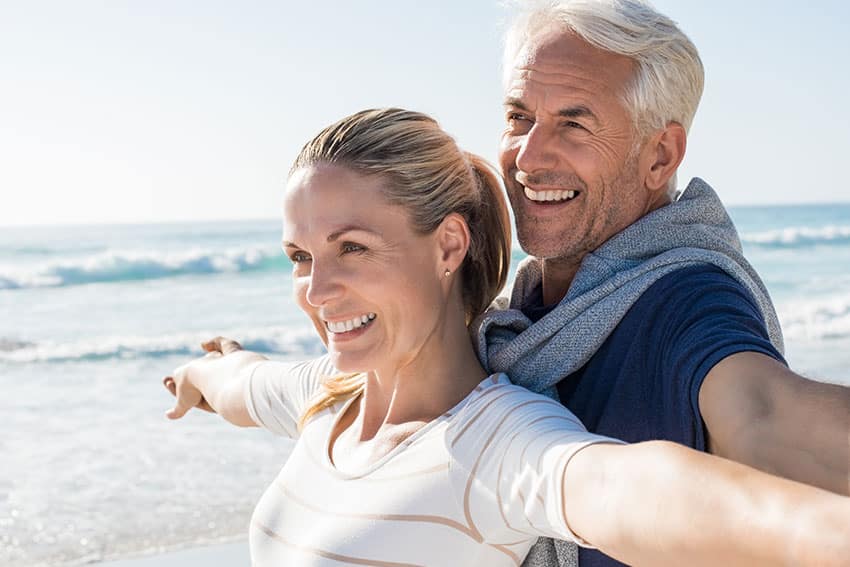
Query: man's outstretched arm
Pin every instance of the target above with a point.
(760, 413)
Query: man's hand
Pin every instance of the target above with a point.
(213, 382)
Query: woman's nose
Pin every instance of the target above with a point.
(324, 285)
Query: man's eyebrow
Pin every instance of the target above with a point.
(579, 111)
(516, 103)
(335, 235)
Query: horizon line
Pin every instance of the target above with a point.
(126, 222)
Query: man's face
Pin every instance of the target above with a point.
(571, 176)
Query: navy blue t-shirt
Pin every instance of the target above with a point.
(643, 383)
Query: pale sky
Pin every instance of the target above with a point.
(161, 110)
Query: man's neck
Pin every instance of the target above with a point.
(558, 274)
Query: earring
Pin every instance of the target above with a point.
(447, 273)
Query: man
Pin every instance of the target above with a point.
(637, 308)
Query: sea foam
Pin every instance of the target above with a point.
(118, 266)
(816, 318)
(792, 237)
(279, 341)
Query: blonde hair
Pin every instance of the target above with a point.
(431, 177)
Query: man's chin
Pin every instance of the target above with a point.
(553, 248)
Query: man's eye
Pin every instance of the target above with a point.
(575, 125)
(351, 247)
(518, 123)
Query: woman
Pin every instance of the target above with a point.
(409, 454)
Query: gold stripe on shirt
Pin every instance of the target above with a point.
(327, 554)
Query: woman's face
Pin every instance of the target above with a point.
(370, 284)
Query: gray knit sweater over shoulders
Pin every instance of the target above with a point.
(695, 229)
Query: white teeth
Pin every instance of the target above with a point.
(549, 195)
(350, 325)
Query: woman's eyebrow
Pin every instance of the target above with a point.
(335, 235)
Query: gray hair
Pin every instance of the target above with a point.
(669, 79)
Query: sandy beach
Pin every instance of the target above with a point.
(222, 555)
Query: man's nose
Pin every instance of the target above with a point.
(536, 150)
(324, 285)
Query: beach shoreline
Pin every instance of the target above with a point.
(233, 554)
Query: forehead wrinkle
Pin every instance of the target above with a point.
(576, 80)
(335, 235)
(558, 58)
(571, 92)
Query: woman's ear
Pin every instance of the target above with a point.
(453, 239)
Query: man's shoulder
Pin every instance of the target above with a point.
(692, 279)
(692, 313)
(651, 366)
(684, 306)
(683, 292)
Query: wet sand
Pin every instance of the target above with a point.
(221, 555)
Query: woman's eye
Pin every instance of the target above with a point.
(299, 257)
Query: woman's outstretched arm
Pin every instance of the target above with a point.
(660, 503)
(215, 382)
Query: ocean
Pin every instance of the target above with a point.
(92, 318)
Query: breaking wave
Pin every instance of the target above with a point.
(820, 318)
(279, 341)
(794, 237)
(123, 266)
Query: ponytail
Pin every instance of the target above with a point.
(485, 270)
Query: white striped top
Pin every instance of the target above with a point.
(474, 487)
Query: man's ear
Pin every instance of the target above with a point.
(453, 239)
(662, 155)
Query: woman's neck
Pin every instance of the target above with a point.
(424, 386)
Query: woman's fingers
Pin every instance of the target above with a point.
(187, 397)
(222, 345)
(182, 388)
(203, 405)
(169, 384)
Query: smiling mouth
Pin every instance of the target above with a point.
(339, 327)
(550, 196)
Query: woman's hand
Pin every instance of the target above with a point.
(212, 383)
